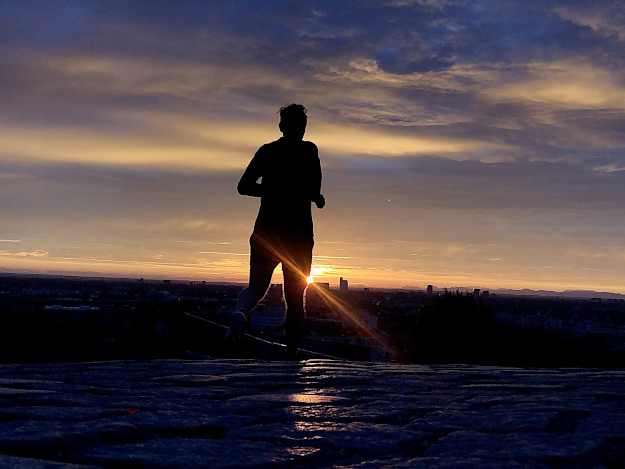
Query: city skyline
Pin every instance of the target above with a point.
(476, 144)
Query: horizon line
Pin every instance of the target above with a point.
(356, 286)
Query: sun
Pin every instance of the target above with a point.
(315, 272)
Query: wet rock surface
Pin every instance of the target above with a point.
(313, 413)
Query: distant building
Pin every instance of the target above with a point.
(485, 295)
(476, 293)
(366, 290)
(267, 317)
(343, 285)
(430, 290)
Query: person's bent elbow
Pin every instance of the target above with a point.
(245, 188)
(241, 188)
(319, 201)
(251, 190)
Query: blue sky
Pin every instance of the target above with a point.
(463, 143)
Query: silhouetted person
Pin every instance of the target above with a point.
(290, 179)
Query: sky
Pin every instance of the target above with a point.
(463, 143)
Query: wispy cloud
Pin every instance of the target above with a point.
(570, 85)
(609, 168)
(606, 19)
(36, 253)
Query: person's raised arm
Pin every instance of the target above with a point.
(248, 184)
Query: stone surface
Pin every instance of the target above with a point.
(314, 413)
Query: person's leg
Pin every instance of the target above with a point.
(295, 320)
(262, 265)
(260, 279)
(296, 273)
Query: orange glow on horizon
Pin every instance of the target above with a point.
(42, 262)
(315, 272)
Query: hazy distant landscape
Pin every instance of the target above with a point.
(68, 318)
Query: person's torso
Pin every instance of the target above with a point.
(288, 179)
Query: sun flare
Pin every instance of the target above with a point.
(315, 272)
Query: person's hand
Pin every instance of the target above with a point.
(320, 201)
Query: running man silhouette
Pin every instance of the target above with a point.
(289, 171)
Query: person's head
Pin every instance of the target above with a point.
(293, 121)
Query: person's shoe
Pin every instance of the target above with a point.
(237, 324)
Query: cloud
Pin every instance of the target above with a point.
(35, 253)
(363, 141)
(471, 185)
(85, 146)
(610, 168)
(604, 19)
(570, 85)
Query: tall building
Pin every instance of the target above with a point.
(430, 290)
(343, 285)
(267, 317)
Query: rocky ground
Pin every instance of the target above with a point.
(314, 413)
